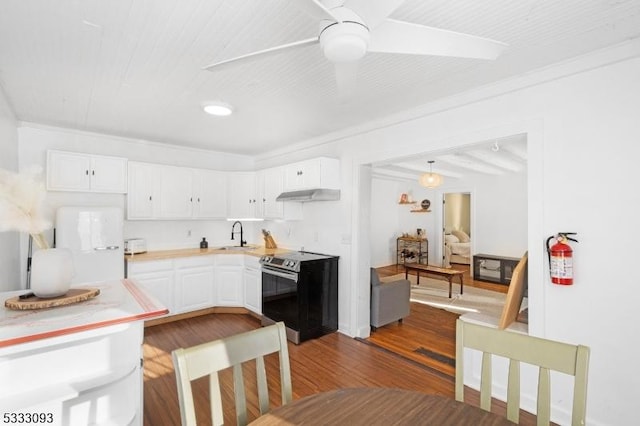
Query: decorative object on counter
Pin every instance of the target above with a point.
(425, 204)
(51, 272)
(204, 244)
(29, 301)
(268, 240)
(22, 204)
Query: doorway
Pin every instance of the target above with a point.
(456, 243)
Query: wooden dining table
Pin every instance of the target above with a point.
(378, 406)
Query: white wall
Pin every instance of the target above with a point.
(9, 240)
(389, 220)
(583, 136)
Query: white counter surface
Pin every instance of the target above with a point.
(119, 302)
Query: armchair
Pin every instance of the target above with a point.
(389, 301)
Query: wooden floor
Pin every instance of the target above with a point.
(330, 362)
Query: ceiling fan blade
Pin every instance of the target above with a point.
(346, 73)
(316, 10)
(393, 36)
(373, 12)
(256, 55)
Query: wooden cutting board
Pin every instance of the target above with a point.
(74, 295)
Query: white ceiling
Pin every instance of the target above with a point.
(497, 157)
(134, 68)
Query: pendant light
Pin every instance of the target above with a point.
(431, 180)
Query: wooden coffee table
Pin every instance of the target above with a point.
(434, 270)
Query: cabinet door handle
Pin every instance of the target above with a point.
(93, 172)
(198, 199)
(86, 172)
(149, 197)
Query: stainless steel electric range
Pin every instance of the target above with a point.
(301, 289)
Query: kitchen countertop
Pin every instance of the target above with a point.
(256, 251)
(119, 301)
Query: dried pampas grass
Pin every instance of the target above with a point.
(22, 204)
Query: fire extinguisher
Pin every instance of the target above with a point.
(561, 258)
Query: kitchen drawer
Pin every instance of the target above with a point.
(135, 268)
(194, 262)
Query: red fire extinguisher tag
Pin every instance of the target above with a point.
(561, 269)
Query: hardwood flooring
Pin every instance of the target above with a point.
(330, 362)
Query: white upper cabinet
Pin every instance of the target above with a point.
(241, 195)
(271, 184)
(70, 171)
(169, 192)
(321, 172)
(209, 194)
(176, 189)
(143, 190)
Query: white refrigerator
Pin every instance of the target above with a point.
(96, 240)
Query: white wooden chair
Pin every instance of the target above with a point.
(546, 354)
(209, 358)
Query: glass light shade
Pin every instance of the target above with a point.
(431, 180)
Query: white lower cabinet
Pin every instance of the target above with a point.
(193, 288)
(228, 280)
(199, 282)
(252, 280)
(157, 278)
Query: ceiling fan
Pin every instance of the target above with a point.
(351, 28)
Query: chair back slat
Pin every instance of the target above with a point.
(485, 382)
(208, 359)
(263, 389)
(513, 391)
(544, 397)
(217, 418)
(240, 396)
(546, 354)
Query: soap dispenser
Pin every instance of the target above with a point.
(204, 244)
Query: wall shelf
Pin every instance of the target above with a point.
(421, 211)
(407, 202)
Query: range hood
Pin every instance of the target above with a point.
(318, 194)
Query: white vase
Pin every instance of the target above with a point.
(51, 272)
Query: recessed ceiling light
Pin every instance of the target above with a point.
(220, 109)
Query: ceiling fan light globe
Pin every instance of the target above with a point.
(346, 42)
(219, 109)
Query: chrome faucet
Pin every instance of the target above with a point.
(242, 241)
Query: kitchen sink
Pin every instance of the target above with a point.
(237, 248)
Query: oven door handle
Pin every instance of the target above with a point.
(287, 275)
